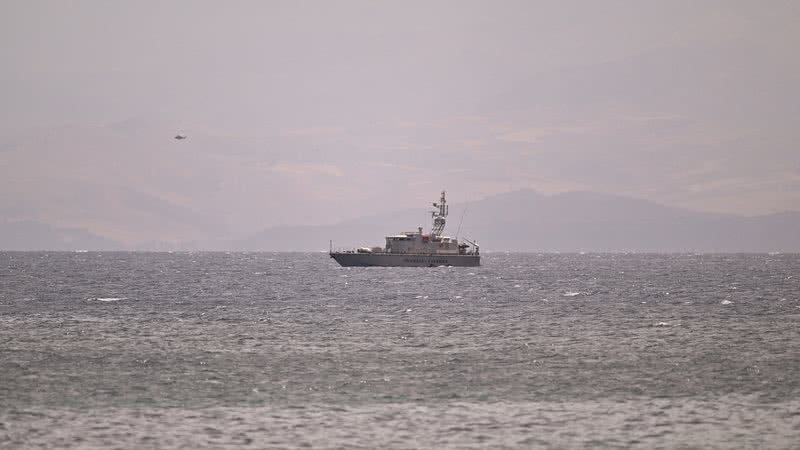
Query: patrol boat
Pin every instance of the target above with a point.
(416, 249)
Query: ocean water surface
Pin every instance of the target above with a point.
(286, 350)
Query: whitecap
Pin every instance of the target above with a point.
(726, 302)
(662, 324)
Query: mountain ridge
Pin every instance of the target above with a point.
(526, 220)
(522, 220)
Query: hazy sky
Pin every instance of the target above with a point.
(317, 111)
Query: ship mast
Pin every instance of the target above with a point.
(439, 216)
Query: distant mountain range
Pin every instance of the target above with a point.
(517, 221)
(30, 235)
(570, 222)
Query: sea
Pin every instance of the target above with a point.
(103, 350)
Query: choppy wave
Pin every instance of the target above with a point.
(211, 355)
(636, 422)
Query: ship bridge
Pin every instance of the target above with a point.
(417, 242)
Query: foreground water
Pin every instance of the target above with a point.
(260, 350)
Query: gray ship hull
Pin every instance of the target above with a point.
(351, 259)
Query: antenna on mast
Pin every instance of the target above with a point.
(464, 212)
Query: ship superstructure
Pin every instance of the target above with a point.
(415, 248)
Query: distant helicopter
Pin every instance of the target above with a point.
(180, 136)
